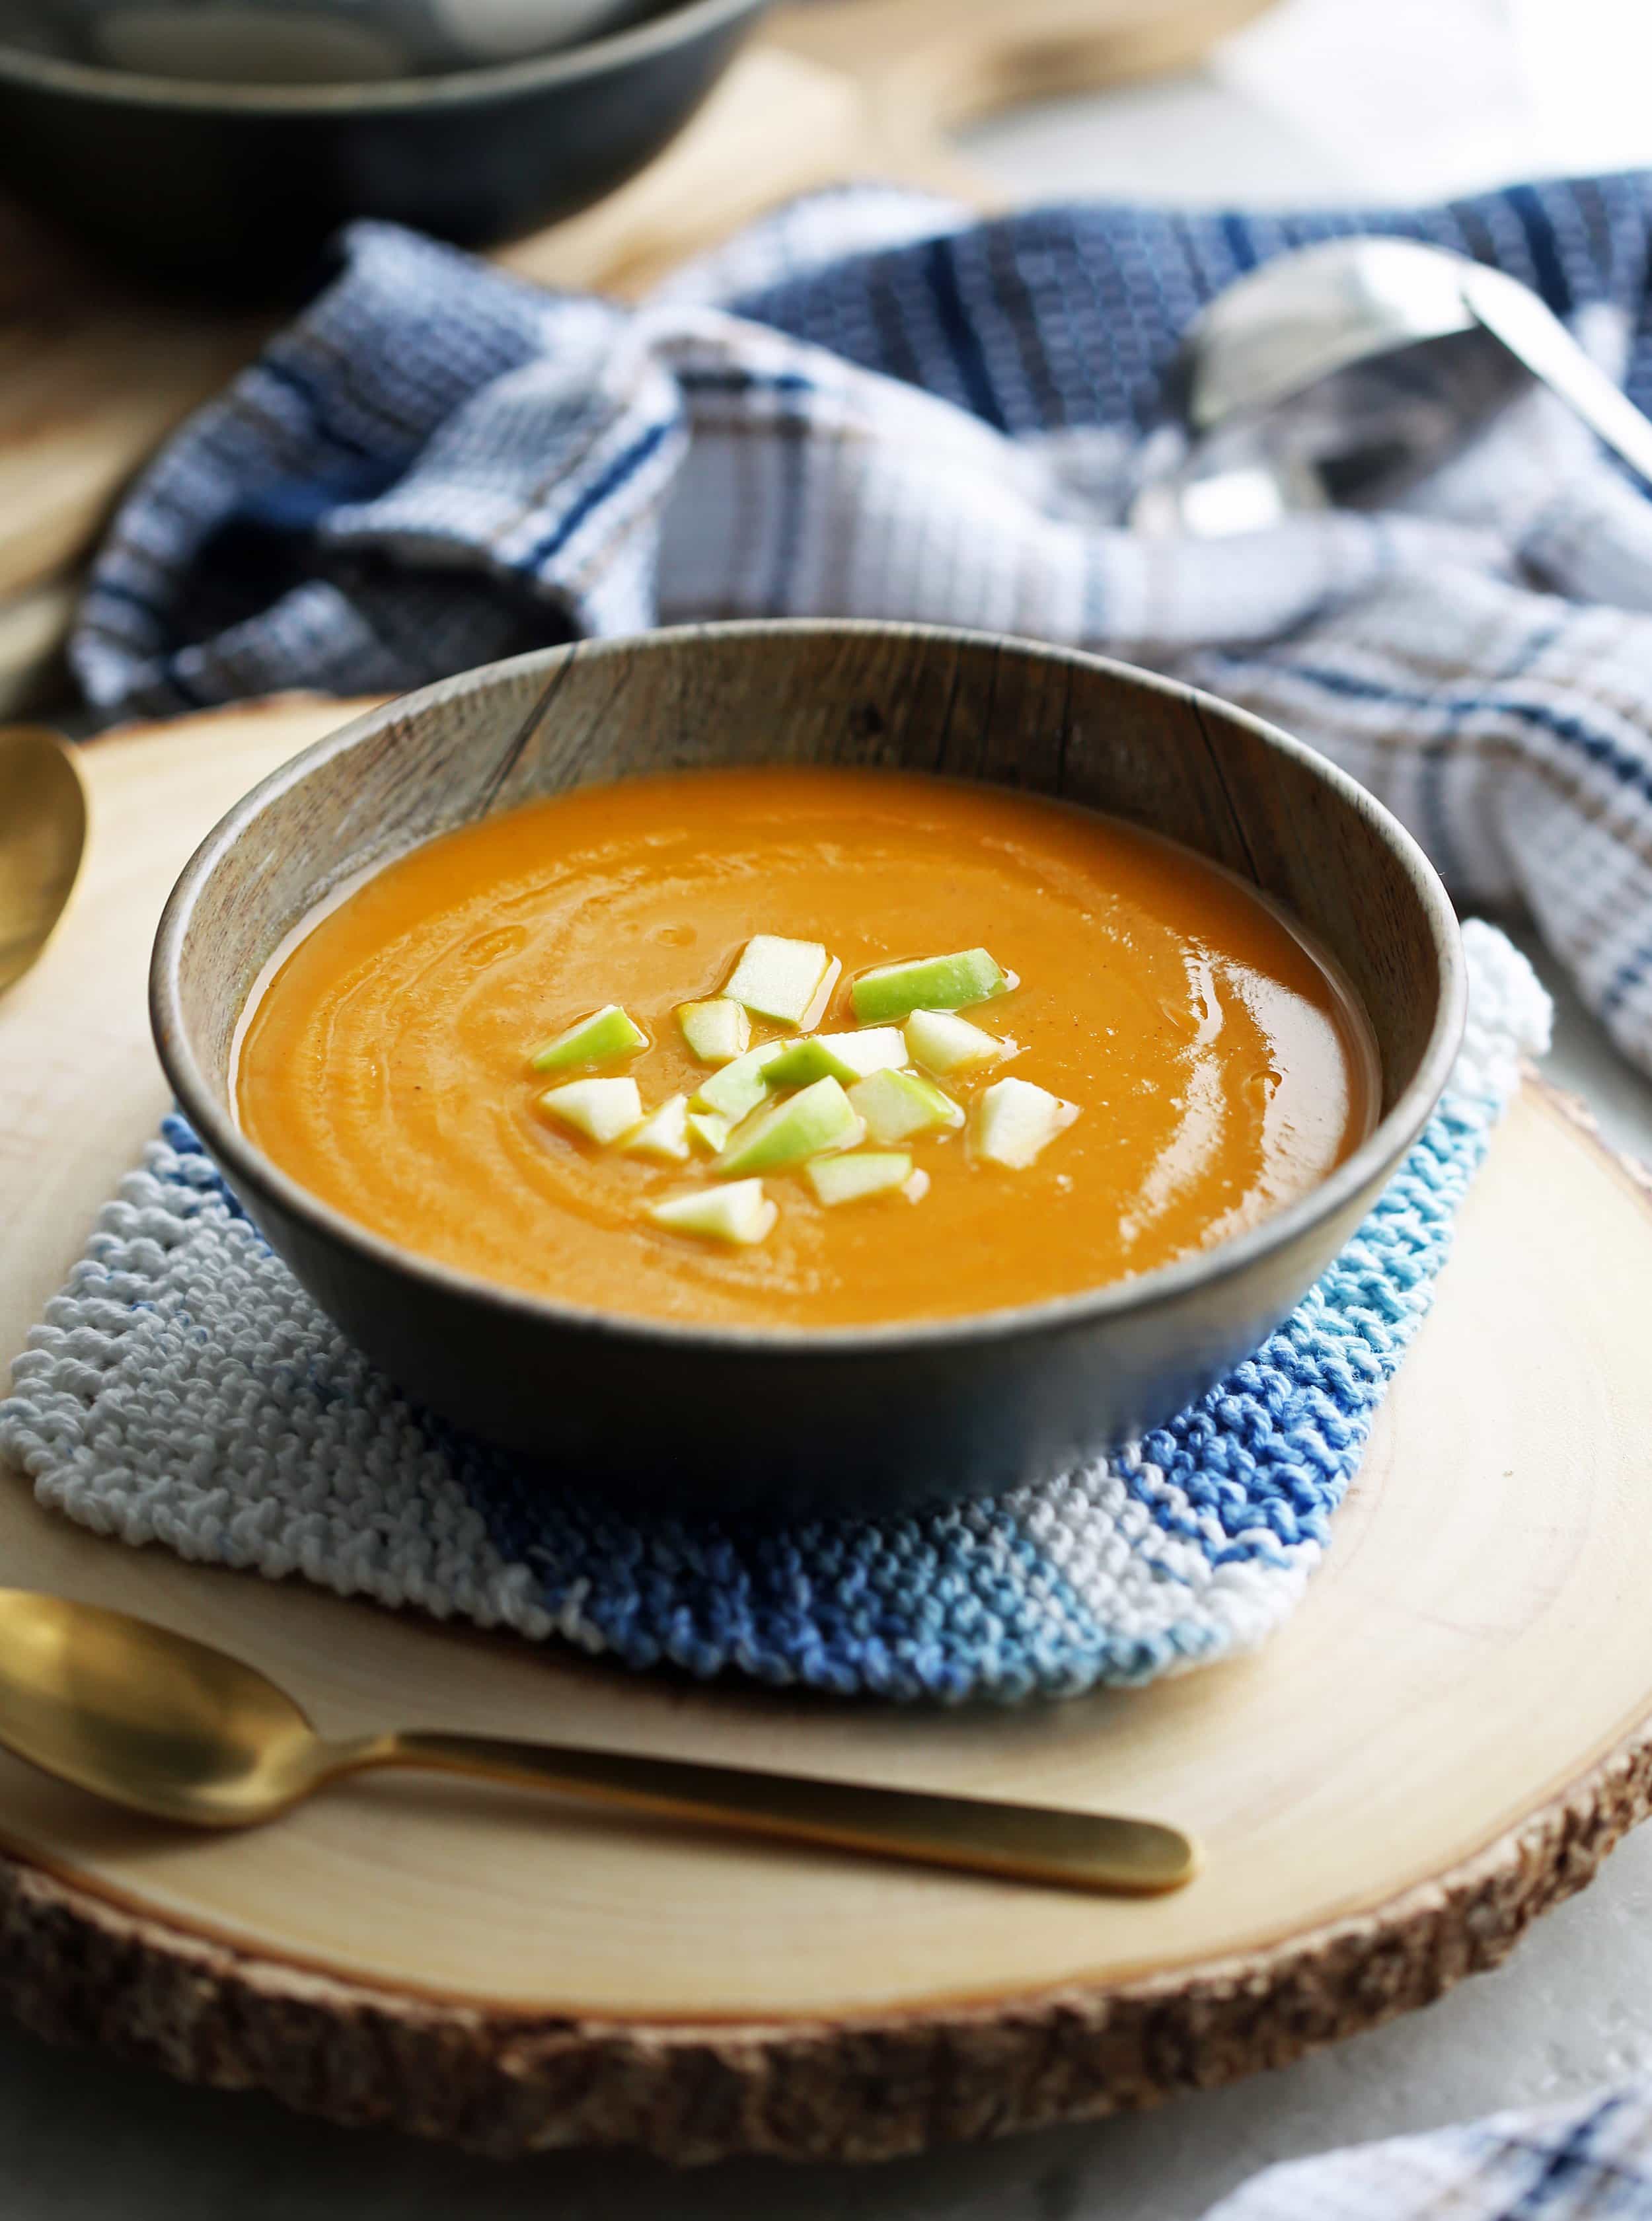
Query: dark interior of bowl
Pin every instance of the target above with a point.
(1091, 732)
(238, 193)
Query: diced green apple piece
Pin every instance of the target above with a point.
(716, 1032)
(846, 1179)
(782, 1135)
(663, 1134)
(804, 1062)
(782, 980)
(710, 1129)
(930, 983)
(874, 1048)
(602, 1109)
(823, 995)
(843, 1057)
(740, 1213)
(898, 1103)
(1012, 1121)
(605, 1035)
(941, 1041)
(739, 1087)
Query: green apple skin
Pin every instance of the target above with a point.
(739, 1087)
(1013, 1122)
(717, 1031)
(893, 991)
(602, 1110)
(740, 1213)
(603, 1036)
(804, 1125)
(896, 1104)
(807, 1061)
(943, 1043)
(779, 979)
(874, 1048)
(847, 1179)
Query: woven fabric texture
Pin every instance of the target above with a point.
(182, 1390)
(1588, 2160)
(875, 406)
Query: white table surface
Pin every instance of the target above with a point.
(1325, 99)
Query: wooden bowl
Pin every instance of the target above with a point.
(236, 188)
(847, 1419)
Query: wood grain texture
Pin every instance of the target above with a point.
(1448, 1737)
(929, 67)
(92, 379)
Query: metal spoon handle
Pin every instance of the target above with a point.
(1027, 1842)
(1537, 337)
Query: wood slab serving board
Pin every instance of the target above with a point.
(92, 378)
(1448, 1737)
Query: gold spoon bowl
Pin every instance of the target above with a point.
(42, 838)
(169, 1726)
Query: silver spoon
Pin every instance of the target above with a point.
(1341, 373)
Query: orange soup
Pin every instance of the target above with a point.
(1024, 1050)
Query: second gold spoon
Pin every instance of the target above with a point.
(172, 1727)
(42, 836)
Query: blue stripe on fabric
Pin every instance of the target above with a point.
(1631, 973)
(732, 380)
(963, 342)
(1571, 731)
(1546, 266)
(281, 372)
(1240, 244)
(788, 527)
(117, 590)
(1571, 2164)
(624, 465)
(791, 385)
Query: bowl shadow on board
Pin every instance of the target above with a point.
(234, 189)
(871, 1419)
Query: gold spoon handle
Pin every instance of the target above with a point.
(1028, 1842)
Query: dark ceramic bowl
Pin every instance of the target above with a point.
(850, 1418)
(236, 188)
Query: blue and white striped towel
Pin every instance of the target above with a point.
(1588, 2160)
(876, 406)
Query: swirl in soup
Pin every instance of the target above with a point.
(804, 1047)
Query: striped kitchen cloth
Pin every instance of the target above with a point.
(1587, 2160)
(876, 406)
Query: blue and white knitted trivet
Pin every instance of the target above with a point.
(874, 404)
(182, 1390)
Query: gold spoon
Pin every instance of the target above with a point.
(168, 1726)
(42, 836)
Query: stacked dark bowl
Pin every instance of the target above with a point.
(234, 187)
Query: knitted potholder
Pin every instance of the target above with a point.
(184, 1389)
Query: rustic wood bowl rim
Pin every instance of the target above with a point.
(676, 24)
(1381, 1150)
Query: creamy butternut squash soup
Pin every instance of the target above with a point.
(804, 1047)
